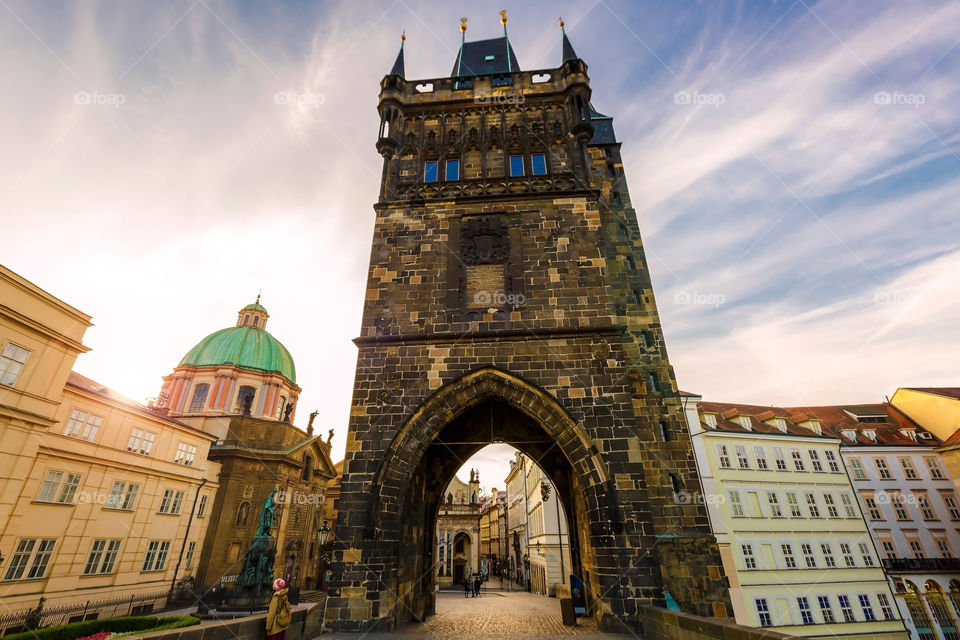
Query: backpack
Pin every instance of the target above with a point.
(283, 613)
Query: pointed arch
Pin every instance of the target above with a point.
(458, 396)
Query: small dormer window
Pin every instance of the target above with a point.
(910, 433)
(710, 419)
(870, 434)
(780, 424)
(745, 422)
(489, 58)
(849, 434)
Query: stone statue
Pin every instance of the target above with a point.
(286, 413)
(267, 515)
(329, 436)
(313, 416)
(247, 404)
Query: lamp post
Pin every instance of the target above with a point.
(323, 534)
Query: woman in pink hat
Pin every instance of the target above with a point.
(278, 617)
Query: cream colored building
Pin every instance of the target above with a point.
(794, 544)
(549, 540)
(96, 491)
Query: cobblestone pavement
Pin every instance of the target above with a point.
(494, 616)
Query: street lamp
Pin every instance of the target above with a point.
(323, 534)
(540, 553)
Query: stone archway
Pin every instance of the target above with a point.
(407, 489)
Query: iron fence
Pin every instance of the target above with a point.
(134, 605)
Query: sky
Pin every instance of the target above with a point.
(795, 168)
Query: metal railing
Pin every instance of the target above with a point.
(143, 604)
(921, 564)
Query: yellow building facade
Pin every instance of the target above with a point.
(794, 544)
(936, 409)
(97, 492)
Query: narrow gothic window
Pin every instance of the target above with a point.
(516, 166)
(538, 164)
(430, 171)
(453, 170)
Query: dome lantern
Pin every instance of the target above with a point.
(253, 315)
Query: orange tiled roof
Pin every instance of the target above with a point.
(835, 420)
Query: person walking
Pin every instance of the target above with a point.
(476, 586)
(278, 616)
(466, 586)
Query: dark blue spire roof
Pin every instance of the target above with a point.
(568, 52)
(485, 57)
(398, 65)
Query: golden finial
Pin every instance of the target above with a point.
(503, 17)
(463, 25)
(560, 22)
(403, 36)
(258, 297)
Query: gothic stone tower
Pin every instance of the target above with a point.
(509, 300)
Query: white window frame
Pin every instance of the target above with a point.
(13, 359)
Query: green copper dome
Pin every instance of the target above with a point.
(254, 307)
(245, 347)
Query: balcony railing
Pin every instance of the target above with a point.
(921, 564)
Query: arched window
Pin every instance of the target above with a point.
(449, 498)
(246, 319)
(281, 403)
(243, 513)
(954, 586)
(931, 585)
(473, 498)
(256, 321)
(199, 398)
(242, 402)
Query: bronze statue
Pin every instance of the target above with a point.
(267, 515)
(286, 413)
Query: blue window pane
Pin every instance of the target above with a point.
(516, 165)
(538, 163)
(429, 171)
(453, 170)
